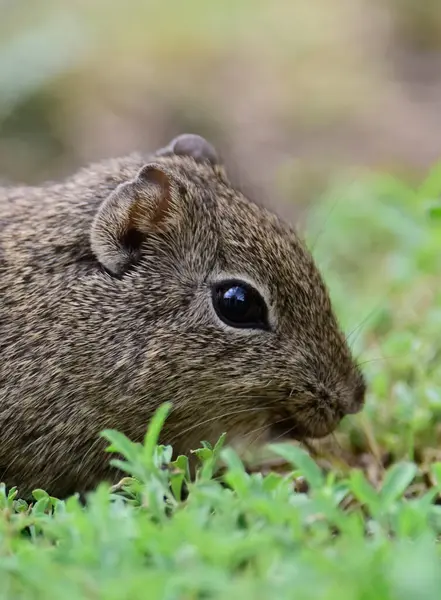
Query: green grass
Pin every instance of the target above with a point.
(363, 524)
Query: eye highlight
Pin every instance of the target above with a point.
(240, 305)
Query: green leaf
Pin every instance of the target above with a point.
(435, 470)
(232, 460)
(20, 506)
(39, 494)
(41, 506)
(203, 454)
(182, 464)
(121, 444)
(163, 455)
(176, 483)
(272, 481)
(397, 480)
(209, 457)
(154, 430)
(434, 211)
(235, 476)
(340, 491)
(300, 458)
(126, 467)
(218, 446)
(12, 493)
(363, 491)
(3, 496)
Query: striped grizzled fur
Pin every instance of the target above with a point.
(106, 312)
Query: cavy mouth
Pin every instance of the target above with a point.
(289, 428)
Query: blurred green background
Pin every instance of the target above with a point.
(291, 92)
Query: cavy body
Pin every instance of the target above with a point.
(149, 279)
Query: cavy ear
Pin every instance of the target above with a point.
(129, 214)
(194, 146)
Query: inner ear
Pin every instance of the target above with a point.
(130, 214)
(151, 176)
(132, 241)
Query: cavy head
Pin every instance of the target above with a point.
(229, 315)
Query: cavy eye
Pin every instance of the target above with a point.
(239, 305)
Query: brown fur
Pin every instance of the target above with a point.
(85, 348)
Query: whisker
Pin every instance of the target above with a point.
(362, 323)
(284, 434)
(325, 222)
(216, 418)
(263, 427)
(371, 360)
(382, 358)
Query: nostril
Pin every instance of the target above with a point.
(358, 398)
(360, 392)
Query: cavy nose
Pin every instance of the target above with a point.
(357, 398)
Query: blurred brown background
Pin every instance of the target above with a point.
(291, 91)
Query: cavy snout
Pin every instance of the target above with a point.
(358, 397)
(317, 411)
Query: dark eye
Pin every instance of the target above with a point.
(238, 304)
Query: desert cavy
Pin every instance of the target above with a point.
(149, 279)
